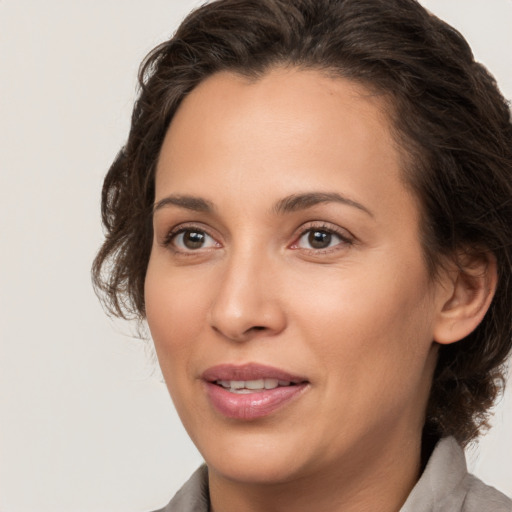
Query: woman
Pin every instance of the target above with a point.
(313, 212)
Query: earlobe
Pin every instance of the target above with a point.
(471, 290)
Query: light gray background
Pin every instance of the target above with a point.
(84, 424)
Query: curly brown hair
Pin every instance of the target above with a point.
(449, 117)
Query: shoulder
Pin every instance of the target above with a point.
(446, 486)
(481, 497)
(193, 496)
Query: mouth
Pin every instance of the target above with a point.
(251, 391)
(252, 386)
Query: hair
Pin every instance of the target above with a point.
(448, 117)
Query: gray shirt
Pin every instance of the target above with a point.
(444, 486)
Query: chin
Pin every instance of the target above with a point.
(254, 458)
(256, 469)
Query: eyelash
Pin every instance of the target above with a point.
(170, 238)
(345, 240)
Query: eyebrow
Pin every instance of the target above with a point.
(297, 202)
(196, 204)
(292, 203)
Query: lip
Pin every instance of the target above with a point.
(249, 371)
(254, 405)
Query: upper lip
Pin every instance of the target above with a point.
(249, 371)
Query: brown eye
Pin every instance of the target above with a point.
(319, 239)
(193, 239)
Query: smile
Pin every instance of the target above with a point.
(250, 386)
(251, 391)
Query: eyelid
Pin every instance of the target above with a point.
(178, 240)
(171, 234)
(345, 236)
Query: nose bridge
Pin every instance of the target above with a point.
(246, 301)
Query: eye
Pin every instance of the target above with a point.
(317, 239)
(320, 238)
(191, 240)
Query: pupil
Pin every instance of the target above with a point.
(319, 239)
(193, 239)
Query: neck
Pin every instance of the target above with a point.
(378, 477)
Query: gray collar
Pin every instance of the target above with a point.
(446, 486)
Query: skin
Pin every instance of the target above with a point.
(357, 318)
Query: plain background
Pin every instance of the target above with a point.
(85, 422)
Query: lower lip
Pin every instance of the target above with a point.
(251, 406)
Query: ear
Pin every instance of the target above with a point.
(468, 290)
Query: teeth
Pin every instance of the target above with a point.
(246, 386)
(255, 384)
(271, 383)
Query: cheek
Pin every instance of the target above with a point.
(173, 309)
(377, 326)
(373, 353)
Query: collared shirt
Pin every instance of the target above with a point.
(444, 486)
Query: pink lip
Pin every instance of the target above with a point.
(254, 405)
(249, 371)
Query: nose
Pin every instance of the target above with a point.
(247, 303)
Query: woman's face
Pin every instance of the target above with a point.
(287, 253)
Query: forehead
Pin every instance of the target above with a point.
(286, 130)
(298, 99)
